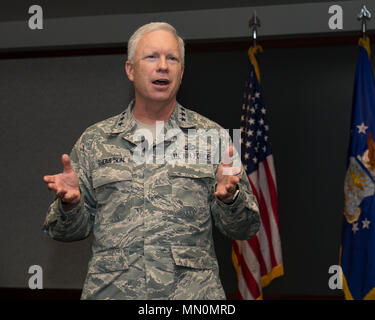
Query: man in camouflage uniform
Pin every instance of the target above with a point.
(151, 219)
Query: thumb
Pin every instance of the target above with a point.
(67, 167)
(227, 161)
(227, 156)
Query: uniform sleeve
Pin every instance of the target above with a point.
(77, 223)
(239, 220)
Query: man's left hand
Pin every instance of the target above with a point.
(227, 179)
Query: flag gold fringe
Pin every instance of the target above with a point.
(276, 272)
(251, 52)
(348, 296)
(365, 43)
(370, 295)
(235, 263)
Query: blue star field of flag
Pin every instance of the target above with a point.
(255, 139)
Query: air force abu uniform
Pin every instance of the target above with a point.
(151, 220)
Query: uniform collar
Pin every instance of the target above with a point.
(180, 118)
(126, 123)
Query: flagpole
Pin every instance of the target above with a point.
(364, 15)
(254, 23)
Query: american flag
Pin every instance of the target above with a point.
(258, 260)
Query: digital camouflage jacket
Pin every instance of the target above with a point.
(151, 221)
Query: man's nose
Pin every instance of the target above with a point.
(162, 64)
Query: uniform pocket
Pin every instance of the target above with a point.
(112, 188)
(107, 175)
(193, 257)
(191, 184)
(107, 181)
(108, 261)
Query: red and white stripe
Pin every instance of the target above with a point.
(257, 256)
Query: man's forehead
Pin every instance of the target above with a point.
(152, 41)
(160, 48)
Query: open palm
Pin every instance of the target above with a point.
(65, 184)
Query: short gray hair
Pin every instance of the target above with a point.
(154, 26)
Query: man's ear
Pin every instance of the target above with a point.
(129, 70)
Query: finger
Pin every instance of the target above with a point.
(68, 199)
(234, 180)
(60, 193)
(71, 198)
(230, 188)
(220, 191)
(65, 159)
(52, 186)
(231, 171)
(71, 194)
(49, 179)
(225, 190)
(227, 156)
(223, 196)
(220, 195)
(232, 184)
(236, 170)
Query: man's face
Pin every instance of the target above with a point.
(157, 70)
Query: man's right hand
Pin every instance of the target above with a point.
(65, 185)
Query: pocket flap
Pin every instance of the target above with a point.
(193, 256)
(191, 171)
(106, 175)
(108, 261)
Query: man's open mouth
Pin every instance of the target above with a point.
(161, 82)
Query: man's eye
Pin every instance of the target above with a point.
(173, 58)
(151, 57)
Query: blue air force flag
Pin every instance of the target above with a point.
(358, 233)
